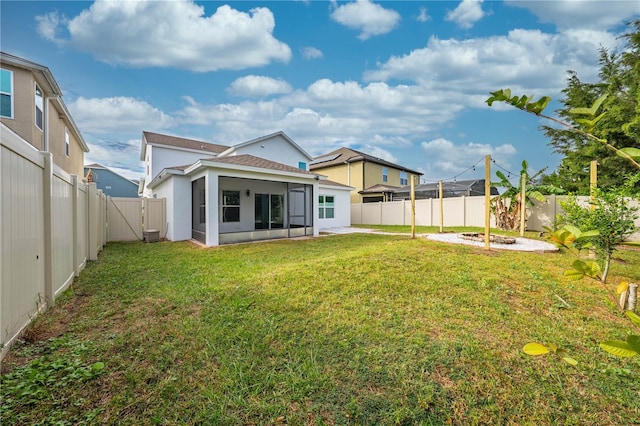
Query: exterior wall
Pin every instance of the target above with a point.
(347, 174)
(74, 162)
(112, 184)
(23, 122)
(177, 192)
(159, 158)
(361, 175)
(342, 212)
(276, 149)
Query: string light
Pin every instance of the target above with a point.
(473, 168)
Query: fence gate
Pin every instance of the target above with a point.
(124, 218)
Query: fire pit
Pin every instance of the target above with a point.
(478, 236)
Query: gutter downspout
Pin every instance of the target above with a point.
(45, 123)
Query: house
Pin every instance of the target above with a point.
(32, 107)
(110, 182)
(259, 189)
(372, 178)
(461, 188)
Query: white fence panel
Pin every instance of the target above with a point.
(459, 211)
(82, 236)
(155, 216)
(62, 232)
(45, 232)
(21, 234)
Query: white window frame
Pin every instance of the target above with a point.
(38, 102)
(325, 206)
(10, 94)
(302, 165)
(385, 174)
(404, 178)
(225, 206)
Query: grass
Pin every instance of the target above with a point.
(406, 229)
(348, 329)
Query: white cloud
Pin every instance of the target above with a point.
(523, 60)
(371, 19)
(466, 14)
(258, 86)
(171, 34)
(378, 152)
(423, 16)
(331, 114)
(444, 158)
(312, 53)
(119, 115)
(122, 157)
(49, 26)
(586, 14)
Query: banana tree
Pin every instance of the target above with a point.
(507, 206)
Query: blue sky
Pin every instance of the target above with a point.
(403, 80)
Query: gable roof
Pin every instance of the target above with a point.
(243, 161)
(96, 166)
(348, 155)
(247, 160)
(328, 182)
(178, 142)
(379, 187)
(264, 138)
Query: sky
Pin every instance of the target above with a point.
(405, 81)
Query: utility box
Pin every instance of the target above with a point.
(151, 236)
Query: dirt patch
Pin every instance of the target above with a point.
(54, 323)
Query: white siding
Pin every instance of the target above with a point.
(276, 149)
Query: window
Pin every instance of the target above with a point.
(6, 93)
(385, 175)
(66, 141)
(327, 207)
(403, 178)
(231, 206)
(39, 106)
(302, 165)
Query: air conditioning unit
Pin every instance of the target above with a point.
(151, 236)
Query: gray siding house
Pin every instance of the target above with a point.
(110, 182)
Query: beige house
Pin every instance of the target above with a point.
(31, 106)
(374, 179)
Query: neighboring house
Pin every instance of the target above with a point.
(255, 190)
(110, 182)
(372, 178)
(32, 107)
(466, 188)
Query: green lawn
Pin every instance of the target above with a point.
(346, 329)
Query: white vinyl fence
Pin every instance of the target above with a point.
(128, 218)
(51, 223)
(458, 211)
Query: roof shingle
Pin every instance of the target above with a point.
(159, 139)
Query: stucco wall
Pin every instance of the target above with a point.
(342, 206)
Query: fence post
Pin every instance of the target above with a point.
(92, 221)
(74, 214)
(47, 188)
